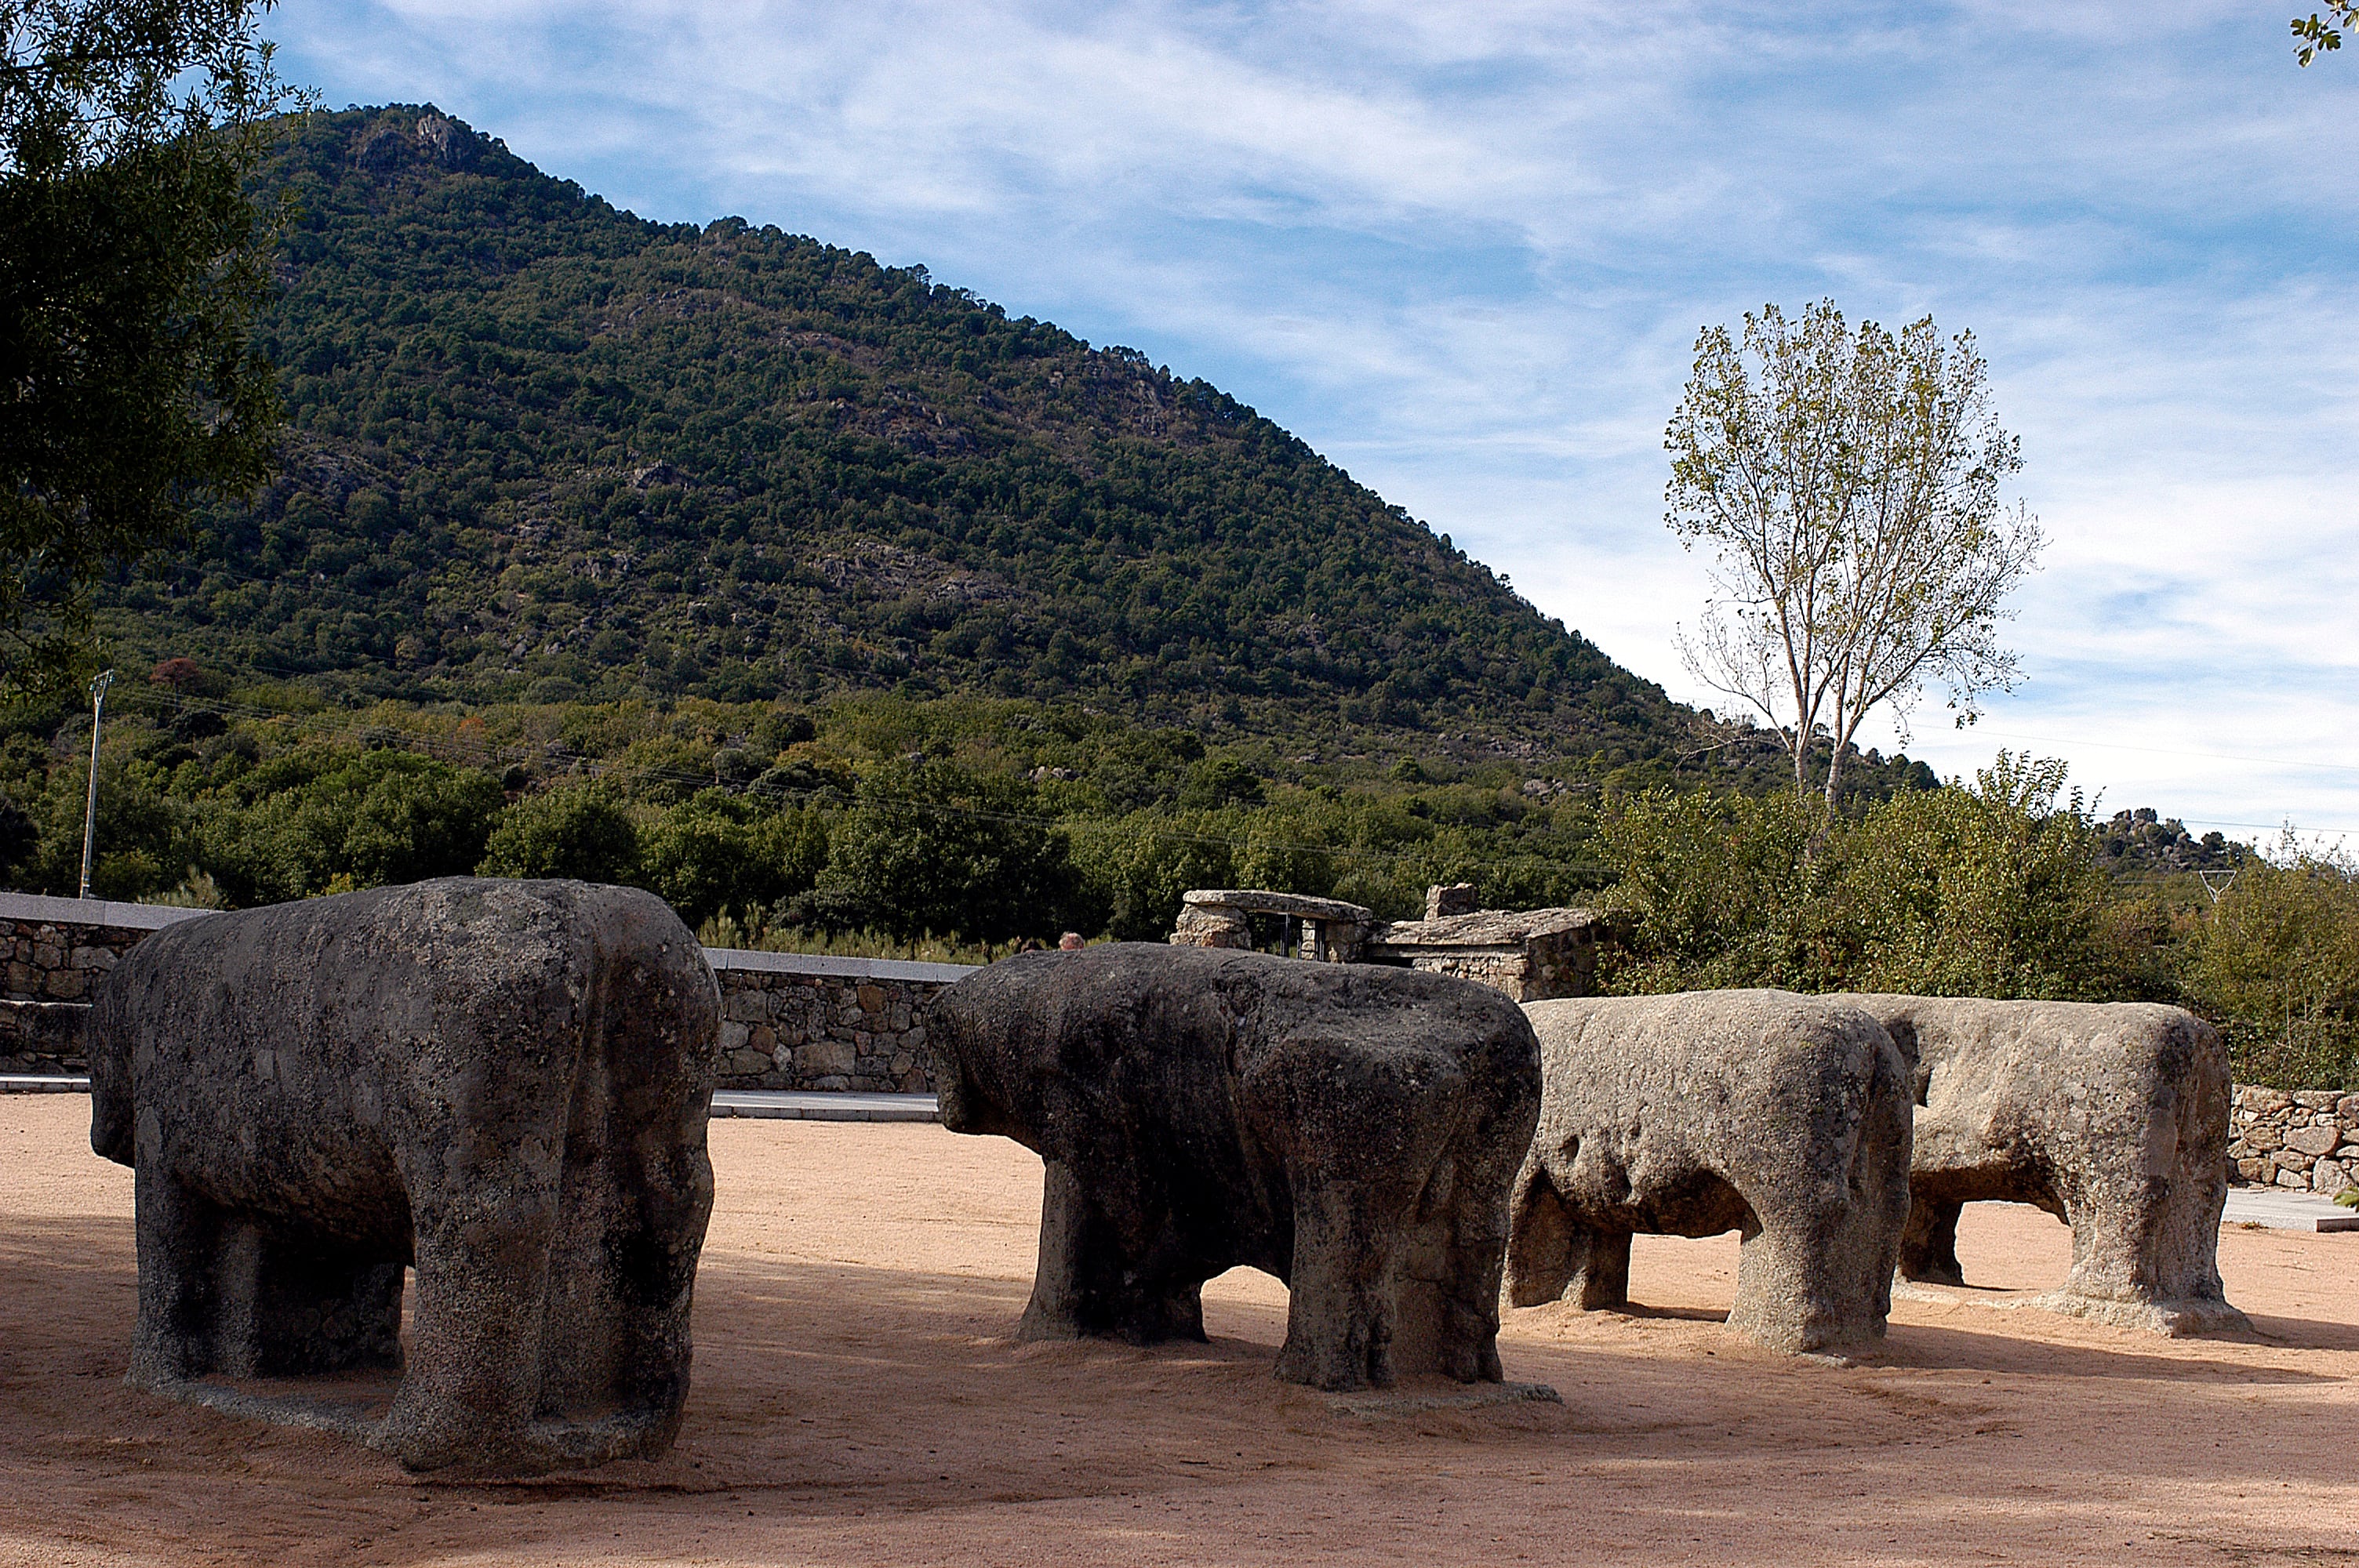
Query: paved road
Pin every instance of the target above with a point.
(790, 1105)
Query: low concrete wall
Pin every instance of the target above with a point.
(792, 1020)
(2306, 1141)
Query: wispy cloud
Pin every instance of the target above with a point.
(1464, 250)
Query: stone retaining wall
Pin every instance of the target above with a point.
(798, 1020)
(2306, 1141)
(56, 950)
(792, 1020)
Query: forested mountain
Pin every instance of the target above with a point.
(543, 450)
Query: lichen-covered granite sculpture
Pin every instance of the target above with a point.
(2112, 1117)
(1349, 1128)
(504, 1082)
(1785, 1117)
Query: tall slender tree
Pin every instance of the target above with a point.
(132, 260)
(1849, 488)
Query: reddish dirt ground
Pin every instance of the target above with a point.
(858, 1401)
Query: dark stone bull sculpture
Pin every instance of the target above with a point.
(1350, 1130)
(503, 1082)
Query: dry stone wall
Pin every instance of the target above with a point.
(790, 1020)
(793, 1021)
(796, 1020)
(2306, 1141)
(57, 950)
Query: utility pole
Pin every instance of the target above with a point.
(89, 808)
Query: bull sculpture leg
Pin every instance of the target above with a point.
(483, 1240)
(221, 1295)
(1370, 1285)
(1555, 1257)
(1339, 1321)
(1794, 1290)
(1101, 1278)
(1929, 1244)
(1446, 1291)
(616, 1348)
(180, 1236)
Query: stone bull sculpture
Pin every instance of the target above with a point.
(1784, 1117)
(2112, 1117)
(503, 1082)
(1349, 1130)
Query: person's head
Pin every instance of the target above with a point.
(1071, 942)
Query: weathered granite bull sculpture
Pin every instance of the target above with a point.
(1784, 1117)
(503, 1082)
(2112, 1117)
(1350, 1130)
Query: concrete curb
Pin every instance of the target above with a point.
(824, 1105)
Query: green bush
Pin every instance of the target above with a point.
(1989, 890)
(2276, 965)
(719, 851)
(580, 831)
(1993, 891)
(937, 847)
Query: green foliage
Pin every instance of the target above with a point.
(2315, 35)
(1993, 891)
(718, 851)
(935, 846)
(586, 832)
(1990, 891)
(546, 452)
(2276, 964)
(1722, 890)
(955, 827)
(321, 818)
(133, 260)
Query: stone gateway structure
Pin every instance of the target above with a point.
(504, 1082)
(1785, 1117)
(2112, 1117)
(1350, 1130)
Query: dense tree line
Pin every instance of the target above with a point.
(959, 827)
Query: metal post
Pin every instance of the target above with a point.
(89, 808)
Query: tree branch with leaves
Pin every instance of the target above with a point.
(1848, 487)
(131, 261)
(2315, 35)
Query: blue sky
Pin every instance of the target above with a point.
(1465, 251)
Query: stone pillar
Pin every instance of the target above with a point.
(1458, 898)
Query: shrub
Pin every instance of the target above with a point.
(583, 831)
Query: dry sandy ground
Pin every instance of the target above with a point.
(857, 1400)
